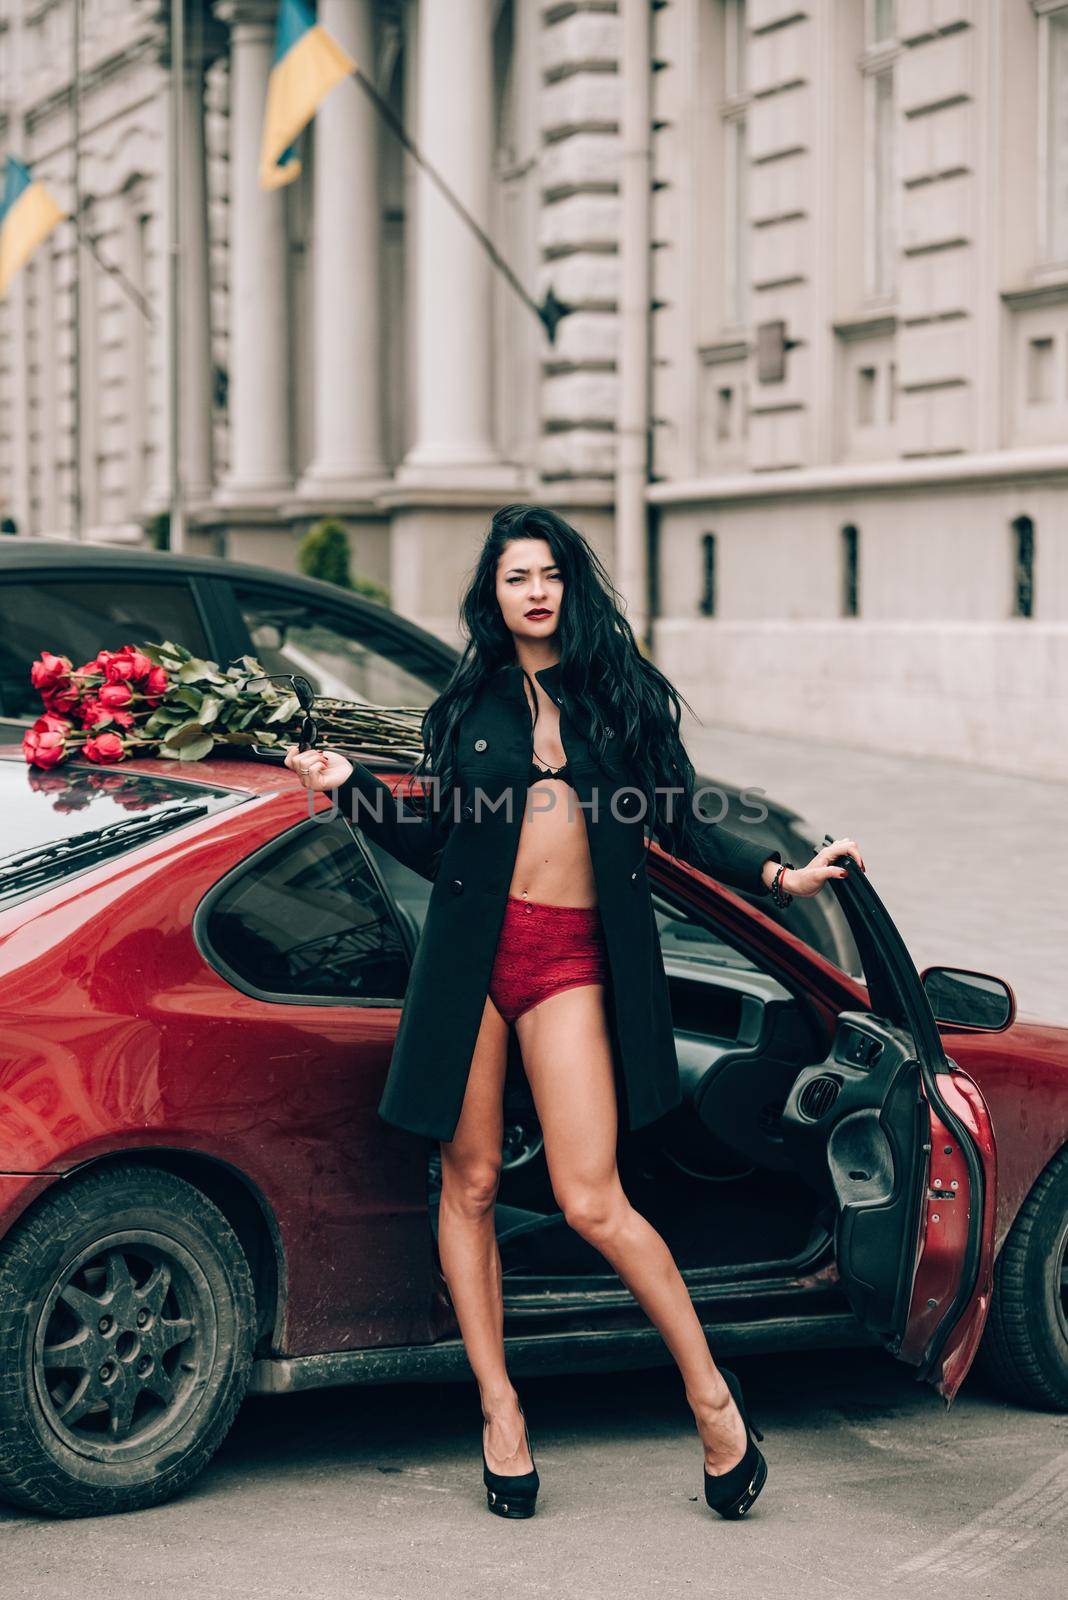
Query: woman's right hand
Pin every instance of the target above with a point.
(318, 769)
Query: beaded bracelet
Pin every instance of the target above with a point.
(780, 896)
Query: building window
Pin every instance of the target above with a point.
(883, 24)
(1053, 127)
(735, 106)
(708, 571)
(866, 378)
(1023, 580)
(724, 405)
(1040, 371)
(878, 65)
(850, 571)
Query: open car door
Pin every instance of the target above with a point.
(901, 1139)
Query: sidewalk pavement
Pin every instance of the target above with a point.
(970, 863)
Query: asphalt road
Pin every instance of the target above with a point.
(874, 1489)
(971, 864)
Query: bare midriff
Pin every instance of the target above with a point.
(552, 863)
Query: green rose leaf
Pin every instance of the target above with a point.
(287, 710)
(197, 749)
(197, 671)
(165, 653)
(163, 718)
(189, 733)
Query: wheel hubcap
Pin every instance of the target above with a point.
(124, 1341)
(1060, 1282)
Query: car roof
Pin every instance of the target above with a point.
(243, 774)
(44, 555)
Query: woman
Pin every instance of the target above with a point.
(550, 748)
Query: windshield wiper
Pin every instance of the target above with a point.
(29, 868)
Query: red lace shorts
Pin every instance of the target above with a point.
(543, 949)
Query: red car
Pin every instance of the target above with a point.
(200, 983)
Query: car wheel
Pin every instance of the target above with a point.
(127, 1318)
(1024, 1350)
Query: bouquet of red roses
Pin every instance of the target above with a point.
(161, 700)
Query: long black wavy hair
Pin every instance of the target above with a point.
(608, 682)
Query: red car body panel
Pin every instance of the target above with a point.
(120, 1037)
(943, 1237)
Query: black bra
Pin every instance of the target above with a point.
(536, 772)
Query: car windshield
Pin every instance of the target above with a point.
(361, 658)
(85, 614)
(55, 824)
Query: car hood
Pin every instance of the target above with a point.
(1028, 1041)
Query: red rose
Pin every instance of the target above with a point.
(92, 711)
(45, 744)
(49, 671)
(50, 724)
(129, 663)
(114, 694)
(95, 714)
(62, 699)
(100, 666)
(105, 748)
(156, 684)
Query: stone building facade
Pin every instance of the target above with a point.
(812, 399)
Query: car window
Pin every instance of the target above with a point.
(357, 659)
(78, 617)
(55, 824)
(683, 937)
(817, 920)
(409, 891)
(306, 919)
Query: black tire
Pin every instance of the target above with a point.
(1024, 1350)
(127, 1318)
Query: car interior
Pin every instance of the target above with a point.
(717, 1176)
(738, 1190)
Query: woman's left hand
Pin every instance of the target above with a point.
(810, 880)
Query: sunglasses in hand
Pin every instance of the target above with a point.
(298, 686)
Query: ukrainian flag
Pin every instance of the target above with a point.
(307, 65)
(28, 214)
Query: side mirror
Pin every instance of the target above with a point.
(965, 999)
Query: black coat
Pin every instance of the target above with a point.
(470, 859)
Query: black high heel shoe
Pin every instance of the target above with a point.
(732, 1493)
(511, 1494)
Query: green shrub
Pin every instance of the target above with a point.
(323, 553)
(158, 529)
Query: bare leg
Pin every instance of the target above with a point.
(467, 1242)
(567, 1056)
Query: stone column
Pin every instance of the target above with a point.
(260, 445)
(347, 355)
(195, 335)
(454, 436)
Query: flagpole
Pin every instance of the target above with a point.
(551, 310)
(76, 284)
(176, 539)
